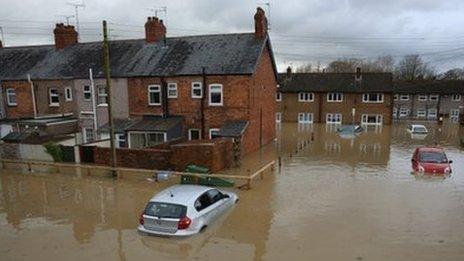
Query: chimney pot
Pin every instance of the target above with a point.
(289, 71)
(1, 44)
(358, 73)
(260, 23)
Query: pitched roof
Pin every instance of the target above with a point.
(233, 129)
(335, 82)
(222, 54)
(120, 125)
(429, 87)
(155, 123)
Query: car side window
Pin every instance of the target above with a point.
(214, 195)
(202, 202)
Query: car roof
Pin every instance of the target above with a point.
(180, 194)
(417, 125)
(430, 149)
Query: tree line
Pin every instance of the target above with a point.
(408, 68)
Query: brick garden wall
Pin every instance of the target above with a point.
(134, 158)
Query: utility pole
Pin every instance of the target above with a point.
(76, 9)
(106, 65)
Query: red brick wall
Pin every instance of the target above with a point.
(214, 154)
(245, 98)
(24, 109)
(134, 158)
(42, 89)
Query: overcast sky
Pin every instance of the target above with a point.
(301, 30)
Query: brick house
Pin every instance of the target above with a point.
(219, 85)
(428, 100)
(333, 97)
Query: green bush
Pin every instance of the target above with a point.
(54, 150)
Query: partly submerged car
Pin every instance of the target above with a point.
(417, 129)
(349, 131)
(184, 210)
(430, 160)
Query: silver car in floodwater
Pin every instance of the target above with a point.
(184, 210)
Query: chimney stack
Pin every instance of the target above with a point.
(358, 74)
(154, 30)
(289, 72)
(65, 35)
(260, 24)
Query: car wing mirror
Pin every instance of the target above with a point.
(450, 161)
(225, 196)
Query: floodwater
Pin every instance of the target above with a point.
(333, 199)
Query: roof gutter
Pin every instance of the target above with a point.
(34, 106)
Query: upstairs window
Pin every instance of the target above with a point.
(278, 96)
(172, 90)
(197, 90)
(334, 97)
(54, 97)
(422, 97)
(213, 133)
(154, 95)
(305, 97)
(68, 94)
(395, 97)
(87, 93)
(373, 97)
(11, 97)
(404, 97)
(456, 97)
(433, 97)
(215, 95)
(102, 95)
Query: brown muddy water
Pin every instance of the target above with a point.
(333, 199)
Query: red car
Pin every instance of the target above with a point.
(430, 160)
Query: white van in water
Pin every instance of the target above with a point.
(184, 210)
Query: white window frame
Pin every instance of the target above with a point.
(172, 86)
(85, 132)
(154, 88)
(221, 91)
(395, 112)
(367, 96)
(406, 110)
(68, 95)
(456, 97)
(278, 96)
(146, 133)
(102, 95)
(454, 113)
(211, 132)
(11, 92)
(197, 86)
(378, 119)
(305, 117)
(305, 97)
(421, 113)
(404, 97)
(434, 97)
(334, 97)
(396, 97)
(422, 97)
(118, 139)
(89, 92)
(433, 115)
(53, 95)
(278, 117)
(190, 133)
(333, 116)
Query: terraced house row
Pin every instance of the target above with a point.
(165, 88)
(365, 98)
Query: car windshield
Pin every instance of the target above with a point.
(165, 210)
(433, 157)
(420, 129)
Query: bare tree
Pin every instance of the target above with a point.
(453, 74)
(305, 68)
(344, 65)
(412, 67)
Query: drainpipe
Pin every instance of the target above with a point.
(94, 105)
(202, 105)
(34, 107)
(164, 98)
